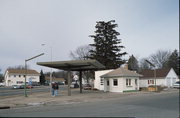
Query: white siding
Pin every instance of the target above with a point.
(171, 78)
(97, 83)
(133, 86)
(118, 88)
(14, 79)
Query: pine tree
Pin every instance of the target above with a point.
(42, 78)
(133, 63)
(173, 61)
(106, 47)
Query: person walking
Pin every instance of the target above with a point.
(53, 89)
(56, 87)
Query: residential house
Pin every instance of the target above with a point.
(119, 80)
(160, 77)
(17, 76)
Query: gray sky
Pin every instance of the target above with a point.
(145, 27)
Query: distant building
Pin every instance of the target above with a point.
(54, 79)
(164, 77)
(17, 76)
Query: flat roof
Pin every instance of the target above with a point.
(74, 65)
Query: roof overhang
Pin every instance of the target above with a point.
(74, 65)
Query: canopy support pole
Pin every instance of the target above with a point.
(80, 79)
(69, 82)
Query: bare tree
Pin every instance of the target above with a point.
(21, 67)
(81, 53)
(160, 58)
(144, 65)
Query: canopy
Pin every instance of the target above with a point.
(74, 65)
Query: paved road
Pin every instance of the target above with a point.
(8, 91)
(160, 105)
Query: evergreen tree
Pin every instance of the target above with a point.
(173, 61)
(133, 64)
(106, 47)
(42, 78)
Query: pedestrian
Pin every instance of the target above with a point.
(53, 89)
(56, 87)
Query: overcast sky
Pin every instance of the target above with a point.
(145, 27)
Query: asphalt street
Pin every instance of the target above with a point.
(9, 92)
(159, 105)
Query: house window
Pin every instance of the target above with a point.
(102, 82)
(115, 82)
(19, 82)
(107, 82)
(150, 81)
(128, 82)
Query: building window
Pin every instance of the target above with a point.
(128, 82)
(150, 81)
(115, 82)
(19, 82)
(14, 75)
(102, 81)
(107, 82)
(19, 75)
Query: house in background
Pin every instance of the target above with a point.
(164, 77)
(54, 79)
(118, 80)
(17, 76)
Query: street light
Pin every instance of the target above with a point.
(51, 69)
(25, 93)
(154, 71)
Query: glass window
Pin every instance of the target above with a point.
(115, 82)
(102, 81)
(128, 82)
(14, 75)
(107, 82)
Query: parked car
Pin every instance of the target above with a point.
(87, 87)
(74, 85)
(61, 83)
(2, 84)
(176, 85)
(29, 86)
(17, 87)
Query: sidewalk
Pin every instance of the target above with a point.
(63, 98)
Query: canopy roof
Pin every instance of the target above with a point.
(74, 65)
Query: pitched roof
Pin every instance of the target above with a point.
(159, 73)
(22, 71)
(121, 72)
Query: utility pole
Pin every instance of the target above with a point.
(25, 92)
(154, 73)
